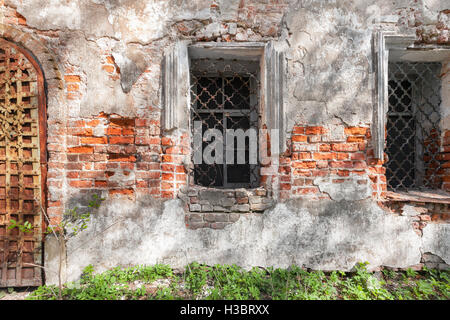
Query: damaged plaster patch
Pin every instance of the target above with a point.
(321, 235)
(334, 133)
(340, 87)
(139, 21)
(349, 190)
(132, 64)
(100, 93)
(91, 18)
(436, 239)
(410, 211)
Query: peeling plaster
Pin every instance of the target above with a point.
(321, 235)
(132, 64)
(349, 190)
(329, 82)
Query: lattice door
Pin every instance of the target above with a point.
(20, 168)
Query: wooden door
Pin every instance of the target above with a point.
(22, 166)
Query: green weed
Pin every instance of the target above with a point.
(231, 282)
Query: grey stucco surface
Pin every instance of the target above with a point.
(436, 240)
(324, 235)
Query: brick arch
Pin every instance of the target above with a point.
(47, 61)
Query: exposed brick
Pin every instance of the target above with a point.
(285, 186)
(128, 191)
(359, 164)
(301, 155)
(343, 173)
(72, 78)
(121, 122)
(171, 158)
(80, 183)
(299, 138)
(100, 184)
(72, 174)
(324, 147)
(141, 122)
(322, 164)
(167, 141)
(323, 156)
(304, 164)
(82, 149)
(298, 130)
(73, 87)
(114, 131)
(108, 68)
(121, 140)
(284, 170)
(121, 157)
(92, 174)
(314, 139)
(343, 156)
(302, 172)
(148, 175)
(306, 190)
(355, 131)
(341, 164)
(319, 173)
(355, 139)
(357, 156)
(83, 132)
(93, 140)
(314, 130)
(345, 147)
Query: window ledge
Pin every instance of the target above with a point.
(429, 196)
(203, 199)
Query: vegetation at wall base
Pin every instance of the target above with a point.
(230, 282)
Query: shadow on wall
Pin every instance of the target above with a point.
(335, 55)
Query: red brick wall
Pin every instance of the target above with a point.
(125, 145)
(128, 156)
(173, 172)
(114, 153)
(313, 155)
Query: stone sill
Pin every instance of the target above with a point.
(429, 196)
(241, 200)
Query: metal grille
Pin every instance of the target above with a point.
(20, 173)
(413, 135)
(225, 95)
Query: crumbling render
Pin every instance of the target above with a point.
(326, 206)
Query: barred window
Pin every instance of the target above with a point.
(225, 96)
(413, 119)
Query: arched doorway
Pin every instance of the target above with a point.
(22, 166)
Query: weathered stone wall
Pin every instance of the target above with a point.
(102, 61)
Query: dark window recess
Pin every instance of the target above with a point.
(413, 126)
(225, 95)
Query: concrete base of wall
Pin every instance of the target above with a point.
(324, 235)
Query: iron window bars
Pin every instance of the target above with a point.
(413, 134)
(225, 95)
